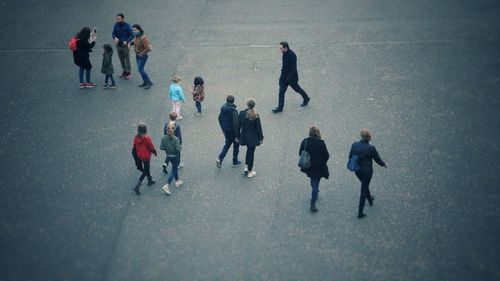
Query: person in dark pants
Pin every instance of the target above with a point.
(171, 144)
(249, 133)
(178, 134)
(365, 153)
(84, 44)
(228, 121)
(142, 47)
(143, 146)
(122, 37)
(289, 77)
(316, 148)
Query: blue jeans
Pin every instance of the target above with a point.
(87, 75)
(175, 167)
(178, 159)
(230, 139)
(198, 105)
(109, 76)
(141, 63)
(315, 190)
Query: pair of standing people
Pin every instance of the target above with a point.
(240, 129)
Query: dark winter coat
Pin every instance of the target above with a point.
(228, 117)
(81, 56)
(249, 132)
(107, 63)
(289, 68)
(366, 152)
(319, 156)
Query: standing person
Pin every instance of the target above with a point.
(249, 134)
(144, 147)
(198, 93)
(142, 47)
(318, 152)
(171, 144)
(81, 57)
(289, 77)
(122, 37)
(177, 132)
(365, 152)
(176, 95)
(228, 121)
(107, 66)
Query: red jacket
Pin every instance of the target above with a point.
(144, 147)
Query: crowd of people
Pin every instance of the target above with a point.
(242, 128)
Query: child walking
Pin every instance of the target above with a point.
(143, 146)
(177, 132)
(107, 67)
(198, 93)
(176, 95)
(171, 144)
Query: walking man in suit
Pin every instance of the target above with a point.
(289, 77)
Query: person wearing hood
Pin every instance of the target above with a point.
(228, 120)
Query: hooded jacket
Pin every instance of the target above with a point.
(144, 147)
(228, 117)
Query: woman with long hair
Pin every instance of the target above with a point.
(85, 41)
(249, 134)
(142, 47)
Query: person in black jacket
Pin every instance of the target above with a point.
(289, 77)
(84, 44)
(250, 134)
(318, 152)
(365, 153)
(228, 120)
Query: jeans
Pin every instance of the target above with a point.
(87, 75)
(124, 55)
(249, 157)
(175, 167)
(198, 105)
(295, 86)
(230, 139)
(365, 194)
(315, 190)
(141, 63)
(145, 171)
(109, 76)
(178, 159)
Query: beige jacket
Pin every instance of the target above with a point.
(142, 46)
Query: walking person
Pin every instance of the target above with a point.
(289, 77)
(143, 146)
(107, 67)
(318, 169)
(176, 95)
(249, 134)
(122, 37)
(365, 153)
(228, 121)
(142, 47)
(177, 132)
(81, 56)
(171, 144)
(198, 93)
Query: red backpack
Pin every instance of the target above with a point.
(72, 43)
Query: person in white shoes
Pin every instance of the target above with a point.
(171, 144)
(249, 134)
(177, 132)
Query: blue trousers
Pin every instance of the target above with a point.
(315, 190)
(175, 168)
(87, 75)
(141, 63)
(230, 140)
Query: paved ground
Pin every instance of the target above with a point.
(423, 75)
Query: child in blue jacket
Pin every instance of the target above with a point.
(176, 96)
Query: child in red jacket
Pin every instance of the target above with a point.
(143, 146)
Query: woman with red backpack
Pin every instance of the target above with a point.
(85, 41)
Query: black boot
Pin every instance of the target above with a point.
(370, 201)
(136, 188)
(151, 181)
(313, 208)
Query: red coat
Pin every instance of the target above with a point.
(144, 147)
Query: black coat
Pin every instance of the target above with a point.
(319, 156)
(107, 63)
(228, 117)
(289, 68)
(249, 131)
(366, 152)
(81, 56)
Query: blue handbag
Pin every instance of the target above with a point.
(353, 163)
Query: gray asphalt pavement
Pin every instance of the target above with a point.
(422, 75)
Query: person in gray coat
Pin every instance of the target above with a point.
(107, 67)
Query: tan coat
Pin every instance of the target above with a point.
(142, 46)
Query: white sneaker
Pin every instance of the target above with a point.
(180, 165)
(246, 170)
(179, 117)
(178, 183)
(251, 174)
(166, 189)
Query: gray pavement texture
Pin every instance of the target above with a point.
(423, 75)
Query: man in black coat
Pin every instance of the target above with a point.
(228, 121)
(365, 152)
(289, 77)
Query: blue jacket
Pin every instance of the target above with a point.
(366, 152)
(123, 32)
(228, 117)
(176, 93)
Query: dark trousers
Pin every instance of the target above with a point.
(230, 139)
(315, 190)
(87, 75)
(249, 157)
(175, 168)
(178, 159)
(365, 194)
(109, 77)
(141, 63)
(145, 171)
(198, 105)
(295, 86)
(124, 55)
